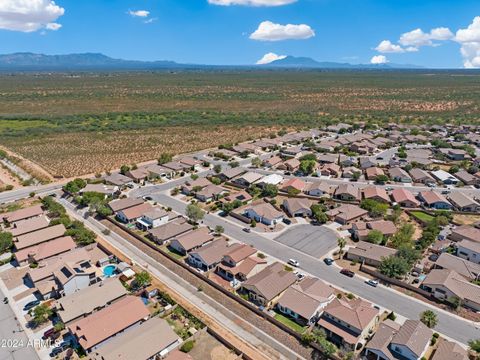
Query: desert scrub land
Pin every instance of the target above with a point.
(72, 124)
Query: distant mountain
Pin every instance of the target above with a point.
(96, 61)
(309, 63)
(27, 61)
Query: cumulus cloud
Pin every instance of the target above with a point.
(251, 2)
(379, 59)
(469, 39)
(270, 57)
(417, 38)
(269, 31)
(29, 15)
(386, 46)
(139, 13)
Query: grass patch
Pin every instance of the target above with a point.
(290, 323)
(173, 253)
(424, 217)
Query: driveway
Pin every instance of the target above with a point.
(312, 240)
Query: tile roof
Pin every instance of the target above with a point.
(171, 229)
(371, 251)
(466, 268)
(194, 238)
(455, 283)
(272, 280)
(449, 350)
(46, 249)
(39, 236)
(25, 226)
(136, 211)
(22, 213)
(414, 335)
(121, 204)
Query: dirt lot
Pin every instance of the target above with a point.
(466, 219)
(208, 348)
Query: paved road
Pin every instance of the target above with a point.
(452, 326)
(16, 342)
(313, 240)
(15, 195)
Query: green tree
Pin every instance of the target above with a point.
(381, 179)
(124, 169)
(142, 279)
(341, 242)
(256, 162)
(80, 233)
(429, 318)
(318, 213)
(410, 254)
(374, 208)
(164, 158)
(307, 166)
(75, 186)
(234, 164)
(394, 266)
(217, 169)
(474, 345)
(215, 181)
(194, 213)
(403, 236)
(375, 236)
(219, 229)
(270, 190)
(6, 241)
(41, 313)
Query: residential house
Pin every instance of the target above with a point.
(291, 165)
(132, 214)
(264, 213)
(421, 176)
(327, 158)
(137, 175)
(467, 178)
(107, 190)
(332, 170)
(297, 207)
(265, 287)
(118, 179)
(469, 250)
(192, 186)
(371, 173)
(81, 304)
(22, 214)
(445, 177)
(156, 171)
(294, 184)
(39, 236)
(273, 162)
(468, 269)
(210, 193)
(272, 179)
(152, 219)
(230, 174)
(409, 341)
(177, 167)
(170, 230)
(348, 323)
(399, 175)
(361, 229)
(239, 263)
(305, 301)
(446, 285)
(366, 163)
(241, 195)
(435, 200)
(318, 189)
(404, 198)
(207, 257)
(192, 240)
(465, 232)
(449, 350)
(376, 193)
(153, 339)
(29, 225)
(345, 214)
(191, 162)
(247, 179)
(347, 192)
(122, 204)
(45, 250)
(369, 253)
(92, 331)
(463, 202)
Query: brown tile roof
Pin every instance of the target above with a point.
(142, 342)
(371, 251)
(212, 253)
(136, 211)
(171, 229)
(348, 189)
(46, 249)
(414, 335)
(109, 321)
(265, 210)
(449, 350)
(39, 236)
(294, 183)
(383, 336)
(402, 195)
(25, 226)
(347, 212)
(194, 238)
(386, 227)
(376, 192)
(357, 313)
(467, 232)
(296, 204)
(431, 197)
(178, 355)
(271, 281)
(122, 204)
(22, 213)
(238, 252)
(466, 268)
(455, 283)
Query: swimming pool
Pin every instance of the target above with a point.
(109, 270)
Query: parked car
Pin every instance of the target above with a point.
(31, 305)
(432, 185)
(48, 333)
(56, 351)
(372, 282)
(247, 230)
(147, 198)
(293, 262)
(328, 261)
(347, 272)
(287, 221)
(299, 275)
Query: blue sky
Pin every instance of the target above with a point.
(243, 31)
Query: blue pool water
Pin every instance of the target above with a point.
(109, 270)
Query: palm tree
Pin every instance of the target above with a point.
(429, 318)
(341, 242)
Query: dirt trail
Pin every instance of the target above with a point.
(29, 166)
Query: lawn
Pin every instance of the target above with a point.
(173, 253)
(290, 323)
(424, 217)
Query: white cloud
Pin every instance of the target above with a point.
(251, 2)
(417, 38)
(386, 46)
(151, 20)
(269, 31)
(379, 59)
(270, 57)
(139, 13)
(29, 15)
(441, 33)
(469, 39)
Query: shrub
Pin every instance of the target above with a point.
(187, 346)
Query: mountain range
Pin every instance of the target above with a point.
(96, 61)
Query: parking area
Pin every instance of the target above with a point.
(311, 240)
